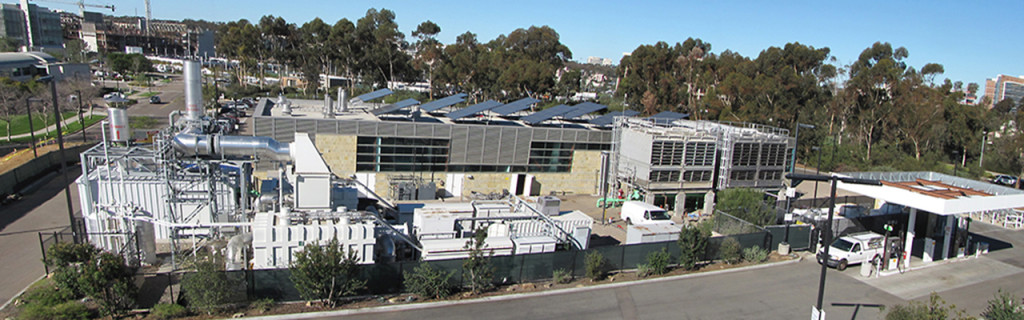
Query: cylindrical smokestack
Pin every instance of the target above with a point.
(343, 100)
(193, 91)
(119, 130)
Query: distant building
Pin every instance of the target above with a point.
(132, 49)
(599, 61)
(1004, 87)
(21, 66)
(46, 25)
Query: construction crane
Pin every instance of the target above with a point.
(81, 5)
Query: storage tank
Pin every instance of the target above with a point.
(118, 121)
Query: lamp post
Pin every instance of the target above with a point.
(827, 233)
(31, 130)
(796, 143)
(63, 159)
(817, 169)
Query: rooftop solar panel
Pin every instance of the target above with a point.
(610, 117)
(374, 95)
(668, 116)
(584, 108)
(395, 107)
(473, 109)
(443, 102)
(515, 106)
(546, 114)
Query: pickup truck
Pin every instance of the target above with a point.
(854, 248)
(639, 213)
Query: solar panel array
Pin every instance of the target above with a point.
(374, 95)
(584, 108)
(395, 107)
(667, 116)
(610, 117)
(443, 102)
(473, 109)
(515, 106)
(546, 114)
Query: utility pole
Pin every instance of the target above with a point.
(63, 159)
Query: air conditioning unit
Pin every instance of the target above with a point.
(549, 205)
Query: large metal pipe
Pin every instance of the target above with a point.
(192, 143)
(193, 91)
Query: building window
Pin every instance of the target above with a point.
(400, 154)
(697, 175)
(745, 154)
(743, 175)
(700, 154)
(664, 176)
(773, 154)
(557, 156)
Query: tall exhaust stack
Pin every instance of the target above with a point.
(343, 100)
(193, 91)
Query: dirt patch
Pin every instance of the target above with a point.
(22, 156)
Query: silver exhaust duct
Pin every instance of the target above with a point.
(193, 91)
(192, 143)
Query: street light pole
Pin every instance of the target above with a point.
(827, 233)
(63, 159)
(817, 170)
(31, 130)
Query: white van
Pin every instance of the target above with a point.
(852, 249)
(637, 212)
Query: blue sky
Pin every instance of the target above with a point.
(972, 40)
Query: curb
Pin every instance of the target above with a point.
(437, 304)
(18, 295)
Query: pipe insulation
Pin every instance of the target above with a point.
(192, 143)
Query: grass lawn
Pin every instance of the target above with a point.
(149, 94)
(68, 130)
(19, 124)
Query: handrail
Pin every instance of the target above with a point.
(516, 202)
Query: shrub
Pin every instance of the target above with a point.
(755, 254)
(478, 265)
(168, 311)
(70, 310)
(730, 250)
(1003, 306)
(935, 308)
(562, 276)
(657, 263)
(693, 243)
(262, 305)
(428, 282)
(597, 266)
(47, 296)
(644, 270)
(208, 288)
(325, 273)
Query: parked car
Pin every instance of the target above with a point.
(1005, 180)
(154, 99)
(852, 249)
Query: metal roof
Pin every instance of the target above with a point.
(473, 109)
(546, 114)
(374, 95)
(515, 106)
(443, 102)
(584, 108)
(610, 117)
(24, 59)
(395, 107)
(935, 192)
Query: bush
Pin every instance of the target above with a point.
(657, 263)
(208, 288)
(325, 273)
(47, 296)
(70, 310)
(693, 243)
(1003, 306)
(935, 308)
(428, 282)
(168, 311)
(478, 266)
(562, 276)
(262, 305)
(730, 250)
(597, 266)
(755, 254)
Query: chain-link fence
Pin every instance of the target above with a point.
(65, 235)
